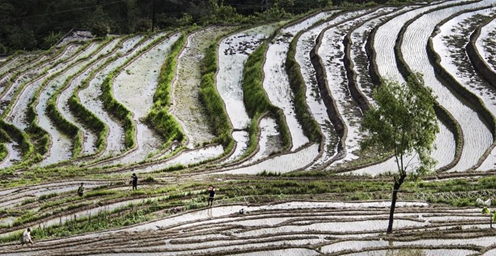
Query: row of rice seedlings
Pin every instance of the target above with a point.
(123, 216)
(115, 218)
(54, 204)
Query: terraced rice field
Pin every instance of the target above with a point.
(253, 111)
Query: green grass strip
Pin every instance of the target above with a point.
(159, 117)
(212, 102)
(114, 107)
(118, 110)
(256, 100)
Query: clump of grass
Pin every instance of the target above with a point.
(28, 201)
(149, 179)
(269, 173)
(99, 193)
(47, 196)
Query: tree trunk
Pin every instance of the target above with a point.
(396, 188)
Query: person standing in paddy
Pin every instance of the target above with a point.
(211, 195)
(134, 181)
(81, 189)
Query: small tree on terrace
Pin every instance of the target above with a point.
(402, 122)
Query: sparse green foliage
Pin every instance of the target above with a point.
(51, 39)
(276, 13)
(185, 20)
(220, 14)
(492, 215)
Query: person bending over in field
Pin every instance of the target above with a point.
(26, 237)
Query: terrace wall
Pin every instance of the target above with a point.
(326, 95)
(477, 60)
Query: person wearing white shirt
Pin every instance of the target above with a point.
(26, 237)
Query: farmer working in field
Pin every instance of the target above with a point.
(81, 189)
(26, 237)
(211, 195)
(134, 181)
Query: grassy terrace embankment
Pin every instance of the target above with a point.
(257, 103)
(211, 100)
(119, 111)
(159, 116)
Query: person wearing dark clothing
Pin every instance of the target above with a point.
(211, 195)
(81, 190)
(134, 181)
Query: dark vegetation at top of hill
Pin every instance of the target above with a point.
(39, 24)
